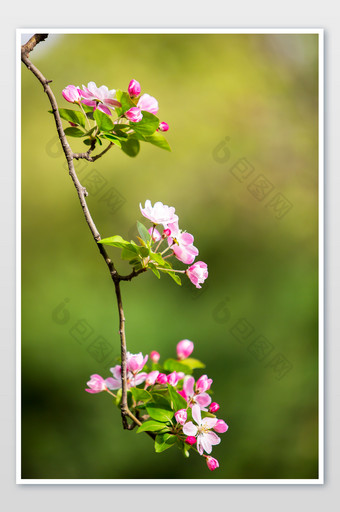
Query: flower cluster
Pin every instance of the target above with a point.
(150, 255)
(136, 116)
(172, 404)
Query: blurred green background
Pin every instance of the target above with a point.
(230, 101)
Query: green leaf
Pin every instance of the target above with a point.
(103, 121)
(147, 126)
(125, 100)
(144, 233)
(86, 108)
(152, 267)
(193, 363)
(112, 139)
(144, 252)
(178, 402)
(174, 276)
(118, 397)
(88, 142)
(114, 241)
(164, 441)
(99, 141)
(72, 131)
(72, 115)
(131, 147)
(141, 395)
(152, 426)
(158, 140)
(173, 365)
(159, 412)
(129, 255)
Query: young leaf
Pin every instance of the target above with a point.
(164, 441)
(174, 276)
(178, 402)
(114, 241)
(103, 121)
(131, 147)
(112, 139)
(144, 233)
(125, 100)
(152, 267)
(140, 394)
(194, 363)
(152, 426)
(158, 140)
(147, 126)
(72, 131)
(129, 255)
(159, 412)
(72, 115)
(173, 365)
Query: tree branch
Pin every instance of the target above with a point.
(82, 193)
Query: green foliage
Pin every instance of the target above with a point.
(152, 426)
(160, 412)
(103, 121)
(147, 126)
(72, 115)
(164, 441)
(72, 131)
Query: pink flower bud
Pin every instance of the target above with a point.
(214, 407)
(203, 384)
(134, 115)
(220, 426)
(172, 378)
(72, 94)
(180, 375)
(163, 127)
(212, 463)
(181, 416)
(156, 236)
(184, 349)
(154, 356)
(73, 124)
(96, 384)
(190, 440)
(151, 378)
(134, 88)
(166, 233)
(162, 378)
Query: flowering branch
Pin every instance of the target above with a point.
(166, 403)
(82, 194)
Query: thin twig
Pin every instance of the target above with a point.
(82, 193)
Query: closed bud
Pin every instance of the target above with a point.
(190, 440)
(162, 378)
(134, 115)
(184, 349)
(220, 426)
(214, 407)
(163, 127)
(154, 356)
(134, 88)
(212, 463)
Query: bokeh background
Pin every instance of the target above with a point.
(243, 116)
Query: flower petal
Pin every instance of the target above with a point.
(196, 414)
(189, 429)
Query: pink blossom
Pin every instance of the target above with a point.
(190, 440)
(159, 213)
(181, 416)
(134, 88)
(163, 127)
(154, 356)
(148, 103)
(184, 348)
(197, 273)
(166, 233)
(134, 376)
(99, 97)
(134, 115)
(181, 243)
(162, 378)
(214, 407)
(173, 378)
(72, 94)
(135, 362)
(221, 426)
(194, 397)
(203, 384)
(156, 236)
(212, 463)
(151, 378)
(96, 384)
(206, 439)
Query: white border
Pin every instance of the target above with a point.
(318, 481)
